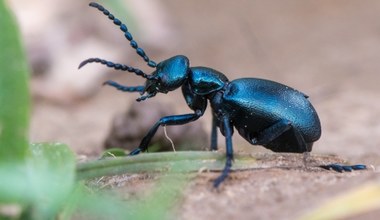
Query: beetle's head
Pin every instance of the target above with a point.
(169, 75)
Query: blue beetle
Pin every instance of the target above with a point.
(264, 112)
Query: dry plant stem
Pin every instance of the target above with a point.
(184, 161)
(169, 139)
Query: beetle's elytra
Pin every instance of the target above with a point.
(263, 112)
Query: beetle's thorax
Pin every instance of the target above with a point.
(205, 81)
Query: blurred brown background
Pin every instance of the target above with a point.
(330, 50)
(327, 49)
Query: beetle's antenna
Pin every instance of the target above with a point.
(123, 88)
(116, 66)
(127, 35)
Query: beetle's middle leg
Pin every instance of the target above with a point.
(168, 120)
(214, 134)
(271, 133)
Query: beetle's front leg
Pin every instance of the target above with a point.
(168, 120)
(229, 152)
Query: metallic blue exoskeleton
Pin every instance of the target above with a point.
(264, 112)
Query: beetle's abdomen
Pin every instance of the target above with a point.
(255, 104)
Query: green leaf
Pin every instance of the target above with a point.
(98, 205)
(51, 172)
(108, 204)
(14, 98)
(44, 184)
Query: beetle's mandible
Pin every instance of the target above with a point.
(263, 112)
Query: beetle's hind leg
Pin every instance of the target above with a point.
(269, 134)
(336, 167)
(343, 168)
(280, 137)
(272, 133)
(229, 152)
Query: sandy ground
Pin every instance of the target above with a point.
(327, 49)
